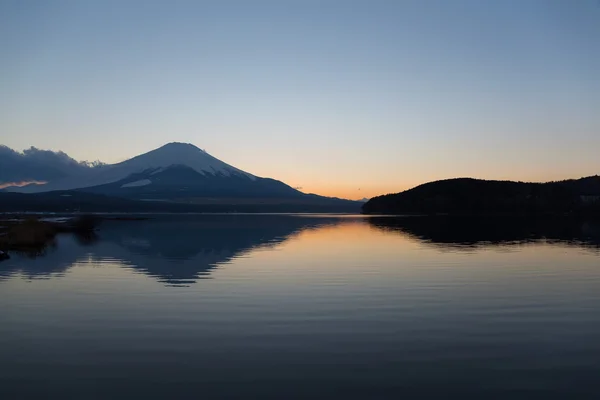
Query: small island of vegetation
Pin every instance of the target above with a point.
(32, 235)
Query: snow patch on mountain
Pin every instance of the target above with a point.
(142, 182)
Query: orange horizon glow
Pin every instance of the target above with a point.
(358, 191)
(352, 193)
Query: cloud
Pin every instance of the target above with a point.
(48, 156)
(37, 165)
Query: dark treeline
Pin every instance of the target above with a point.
(76, 201)
(473, 196)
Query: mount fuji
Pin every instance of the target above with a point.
(182, 173)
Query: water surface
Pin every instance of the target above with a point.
(306, 307)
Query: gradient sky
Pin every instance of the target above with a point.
(345, 98)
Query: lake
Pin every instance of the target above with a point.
(306, 306)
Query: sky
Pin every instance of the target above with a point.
(341, 98)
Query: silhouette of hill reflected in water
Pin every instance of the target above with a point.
(175, 250)
(179, 250)
(470, 232)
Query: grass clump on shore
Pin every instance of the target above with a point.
(32, 236)
(29, 236)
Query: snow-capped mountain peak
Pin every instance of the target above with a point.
(181, 154)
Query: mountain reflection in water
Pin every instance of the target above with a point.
(178, 250)
(174, 249)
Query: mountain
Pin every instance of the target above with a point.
(475, 196)
(183, 173)
(145, 166)
(174, 171)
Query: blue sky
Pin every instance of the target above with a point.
(331, 96)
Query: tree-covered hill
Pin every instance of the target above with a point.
(475, 196)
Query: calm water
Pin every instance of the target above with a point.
(306, 307)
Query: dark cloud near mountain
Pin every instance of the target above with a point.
(35, 164)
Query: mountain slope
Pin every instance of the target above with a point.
(181, 181)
